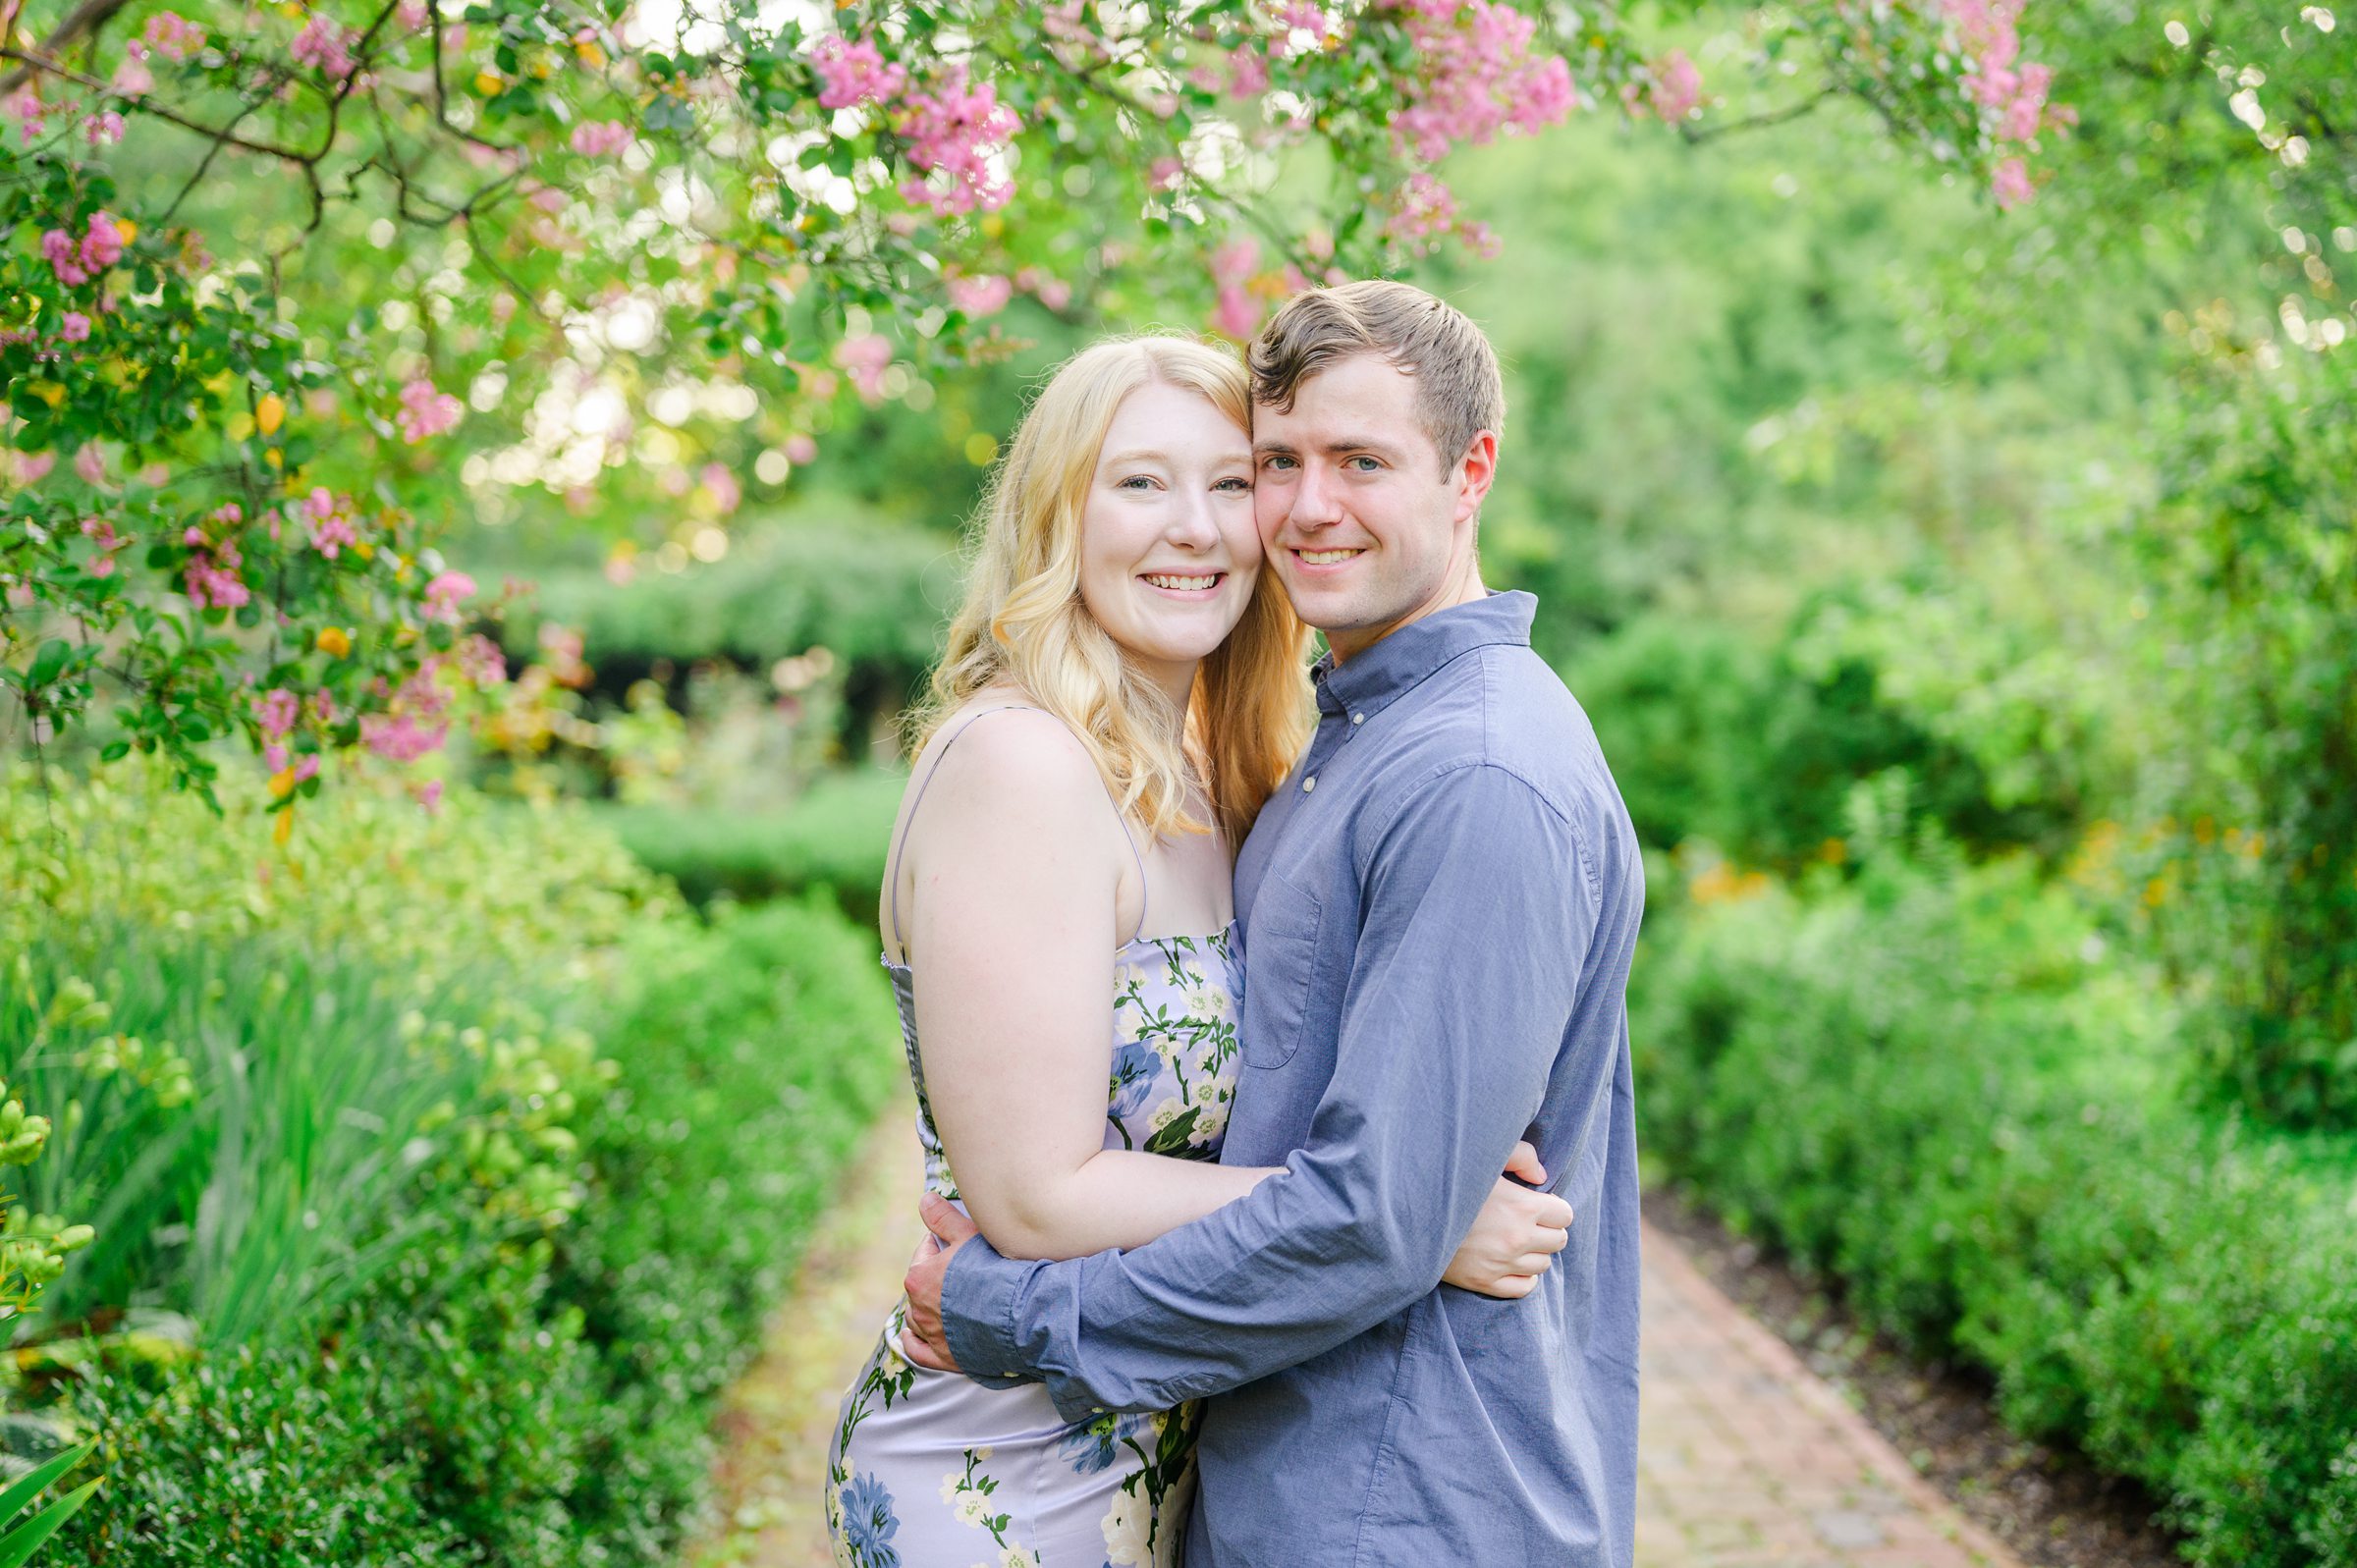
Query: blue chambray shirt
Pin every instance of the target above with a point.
(1438, 910)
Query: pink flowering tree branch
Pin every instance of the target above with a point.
(283, 293)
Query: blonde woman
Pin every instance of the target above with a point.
(1122, 688)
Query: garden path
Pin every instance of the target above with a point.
(1747, 1459)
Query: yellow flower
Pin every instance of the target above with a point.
(285, 829)
(128, 230)
(281, 784)
(334, 640)
(488, 84)
(269, 413)
(591, 55)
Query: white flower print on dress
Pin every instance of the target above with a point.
(1128, 1524)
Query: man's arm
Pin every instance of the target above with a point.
(1478, 917)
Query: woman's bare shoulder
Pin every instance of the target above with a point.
(998, 752)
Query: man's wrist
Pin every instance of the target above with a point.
(978, 1297)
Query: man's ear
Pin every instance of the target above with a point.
(1475, 471)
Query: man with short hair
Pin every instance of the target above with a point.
(1437, 909)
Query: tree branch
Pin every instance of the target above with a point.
(83, 19)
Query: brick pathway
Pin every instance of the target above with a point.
(1746, 1459)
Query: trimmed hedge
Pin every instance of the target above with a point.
(832, 840)
(1939, 1087)
(544, 1400)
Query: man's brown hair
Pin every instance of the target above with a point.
(1459, 390)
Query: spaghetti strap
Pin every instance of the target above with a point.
(891, 881)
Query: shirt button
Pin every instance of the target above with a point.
(1358, 718)
(1310, 784)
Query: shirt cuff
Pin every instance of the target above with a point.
(978, 1298)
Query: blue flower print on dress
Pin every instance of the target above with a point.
(868, 1524)
(1134, 1067)
(1092, 1445)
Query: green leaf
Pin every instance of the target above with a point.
(114, 751)
(48, 663)
(26, 1539)
(34, 1482)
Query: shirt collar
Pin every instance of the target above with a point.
(1395, 665)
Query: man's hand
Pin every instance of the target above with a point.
(923, 1340)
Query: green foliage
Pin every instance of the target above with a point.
(833, 840)
(1715, 738)
(1941, 1086)
(545, 1401)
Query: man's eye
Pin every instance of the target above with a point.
(1371, 464)
(1278, 463)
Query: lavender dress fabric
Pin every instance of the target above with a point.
(931, 1470)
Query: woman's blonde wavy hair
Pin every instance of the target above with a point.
(1024, 623)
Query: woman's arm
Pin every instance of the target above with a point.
(1017, 859)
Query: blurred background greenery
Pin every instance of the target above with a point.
(1967, 604)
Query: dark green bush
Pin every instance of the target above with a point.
(1714, 734)
(546, 1403)
(1939, 1087)
(833, 840)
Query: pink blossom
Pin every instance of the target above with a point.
(1234, 262)
(34, 467)
(429, 795)
(1051, 290)
(863, 359)
(19, 594)
(212, 578)
(593, 138)
(2011, 184)
(1426, 211)
(134, 80)
(171, 37)
(1247, 73)
(323, 707)
(548, 198)
(1477, 77)
(330, 522)
(102, 245)
(399, 738)
(800, 449)
(726, 490)
(957, 132)
(76, 264)
(1676, 87)
(274, 756)
(325, 46)
(427, 412)
(443, 593)
(76, 328)
(411, 16)
(32, 113)
(1164, 173)
(480, 661)
(982, 295)
(276, 711)
(1235, 312)
(90, 465)
(850, 72)
(227, 514)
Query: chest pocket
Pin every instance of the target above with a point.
(1281, 971)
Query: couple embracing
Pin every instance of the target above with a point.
(1269, 1026)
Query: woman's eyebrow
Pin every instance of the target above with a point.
(1141, 455)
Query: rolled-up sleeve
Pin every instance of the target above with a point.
(1477, 918)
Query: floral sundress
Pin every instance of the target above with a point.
(931, 1470)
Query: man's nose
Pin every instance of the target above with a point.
(1317, 502)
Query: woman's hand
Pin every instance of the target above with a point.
(1515, 1236)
